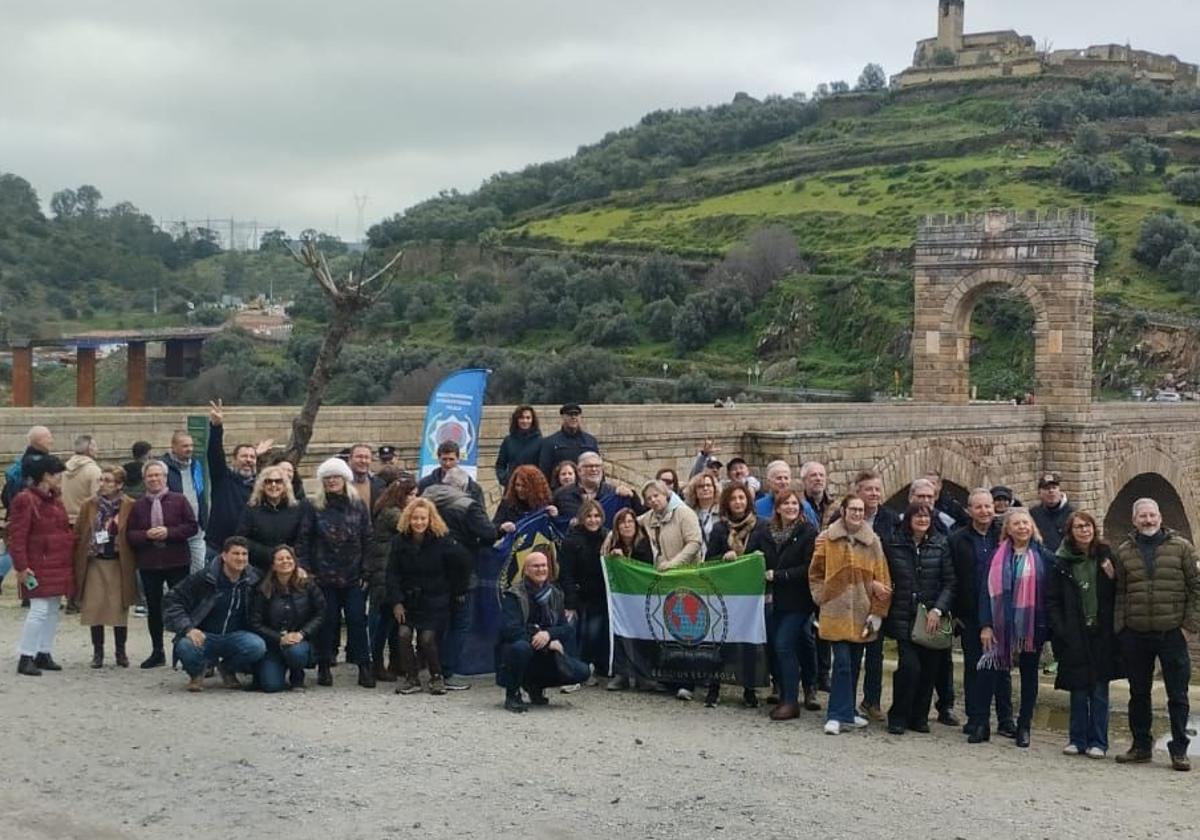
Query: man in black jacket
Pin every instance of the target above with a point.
(531, 652)
(1051, 513)
(230, 488)
(971, 550)
(210, 614)
(448, 455)
(568, 443)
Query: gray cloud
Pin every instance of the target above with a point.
(282, 111)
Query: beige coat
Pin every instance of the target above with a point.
(80, 482)
(126, 560)
(675, 537)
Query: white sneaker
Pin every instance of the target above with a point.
(859, 722)
(1070, 749)
(570, 689)
(1095, 752)
(832, 727)
(683, 694)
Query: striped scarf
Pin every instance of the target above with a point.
(1012, 588)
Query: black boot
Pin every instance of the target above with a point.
(513, 702)
(365, 678)
(97, 646)
(156, 659)
(120, 635)
(324, 675)
(979, 734)
(46, 662)
(26, 667)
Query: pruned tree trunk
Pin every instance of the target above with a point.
(349, 298)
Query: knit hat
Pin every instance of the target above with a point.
(335, 466)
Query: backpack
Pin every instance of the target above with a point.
(12, 483)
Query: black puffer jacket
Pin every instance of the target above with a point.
(383, 531)
(334, 540)
(432, 568)
(581, 576)
(517, 450)
(790, 561)
(265, 526)
(300, 610)
(1085, 655)
(921, 574)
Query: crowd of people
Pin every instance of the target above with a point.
(254, 577)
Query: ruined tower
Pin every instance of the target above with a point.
(950, 24)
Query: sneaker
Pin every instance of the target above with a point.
(455, 685)
(832, 727)
(592, 681)
(618, 683)
(1181, 763)
(139, 611)
(713, 697)
(810, 700)
(514, 703)
(571, 689)
(1095, 752)
(1135, 756)
(859, 722)
(683, 694)
(412, 685)
(948, 718)
(1071, 749)
(437, 685)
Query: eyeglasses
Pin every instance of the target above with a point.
(856, 510)
(272, 481)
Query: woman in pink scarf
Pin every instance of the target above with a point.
(1012, 620)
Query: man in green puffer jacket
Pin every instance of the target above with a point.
(1158, 598)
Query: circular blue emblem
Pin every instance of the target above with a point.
(686, 616)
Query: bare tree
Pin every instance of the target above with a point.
(349, 297)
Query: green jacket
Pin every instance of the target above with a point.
(1164, 597)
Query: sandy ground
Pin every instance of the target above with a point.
(128, 754)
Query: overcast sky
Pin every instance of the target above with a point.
(283, 111)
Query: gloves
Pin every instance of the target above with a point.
(872, 626)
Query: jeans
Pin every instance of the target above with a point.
(1089, 717)
(239, 651)
(1140, 650)
(592, 627)
(274, 667)
(912, 685)
(847, 662)
(153, 583)
(524, 667)
(873, 673)
(824, 658)
(1002, 692)
(451, 645)
(987, 680)
(350, 601)
(41, 625)
(794, 653)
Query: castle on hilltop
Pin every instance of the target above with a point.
(953, 57)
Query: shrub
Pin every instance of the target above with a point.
(1186, 187)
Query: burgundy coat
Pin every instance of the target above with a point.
(41, 538)
(171, 553)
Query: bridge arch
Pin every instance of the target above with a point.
(912, 458)
(1148, 472)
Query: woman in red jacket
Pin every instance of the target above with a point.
(42, 544)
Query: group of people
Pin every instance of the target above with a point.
(253, 577)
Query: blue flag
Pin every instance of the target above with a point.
(453, 413)
(495, 569)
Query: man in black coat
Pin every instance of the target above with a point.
(448, 454)
(230, 487)
(210, 614)
(531, 652)
(1051, 513)
(971, 550)
(568, 443)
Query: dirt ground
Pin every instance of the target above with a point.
(128, 754)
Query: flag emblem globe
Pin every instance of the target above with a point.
(686, 616)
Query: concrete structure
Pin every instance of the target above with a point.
(955, 56)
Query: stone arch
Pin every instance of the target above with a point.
(911, 458)
(1152, 472)
(960, 302)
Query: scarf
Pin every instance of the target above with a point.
(739, 533)
(1084, 570)
(156, 511)
(540, 612)
(1012, 589)
(106, 509)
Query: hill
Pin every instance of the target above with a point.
(763, 242)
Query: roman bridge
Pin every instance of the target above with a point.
(1107, 454)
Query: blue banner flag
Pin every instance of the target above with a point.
(454, 412)
(495, 569)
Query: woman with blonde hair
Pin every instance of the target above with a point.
(427, 568)
(1012, 620)
(703, 496)
(105, 567)
(271, 517)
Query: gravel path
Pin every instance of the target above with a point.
(128, 754)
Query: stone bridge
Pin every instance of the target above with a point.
(1107, 454)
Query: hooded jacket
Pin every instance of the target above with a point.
(80, 482)
(41, 539)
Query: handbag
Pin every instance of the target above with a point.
(940, 639)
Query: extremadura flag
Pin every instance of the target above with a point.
(692, 625)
